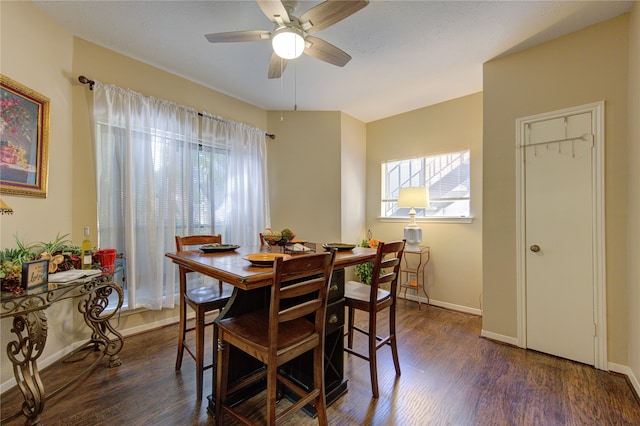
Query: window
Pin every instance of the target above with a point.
(447, 176)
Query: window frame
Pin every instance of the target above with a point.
(418, 178)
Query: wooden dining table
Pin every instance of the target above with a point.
(231, 267)
(251, 292)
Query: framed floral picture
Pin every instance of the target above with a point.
(24, 140)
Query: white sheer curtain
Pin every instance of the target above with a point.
(244, 199)
(156, 178)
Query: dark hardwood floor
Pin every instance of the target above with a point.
(450, 376)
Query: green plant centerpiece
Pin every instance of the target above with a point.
(11, 260)
(364, 271)
(62, 256)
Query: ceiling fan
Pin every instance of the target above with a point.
(292, 36)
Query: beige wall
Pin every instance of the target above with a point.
(305, 174)
(317, 175)
(29, 44)
(354, 178)
(587, 66)
(455, 271)
(23, 57)
(633, 189)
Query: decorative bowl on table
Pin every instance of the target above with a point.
(277, 238)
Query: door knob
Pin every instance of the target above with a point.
(535, 248)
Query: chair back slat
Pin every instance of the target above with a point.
(299, 311)
(302, 288)
(386, 278)
(389, 263)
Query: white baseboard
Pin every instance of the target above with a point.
(446, 305)
(623, 369)
(499, 337)
(151, 326)
(45, 362)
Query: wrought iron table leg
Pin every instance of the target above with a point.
(31, 332)
(104, 334)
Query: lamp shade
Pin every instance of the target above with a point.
(288, 42)
(413, 197)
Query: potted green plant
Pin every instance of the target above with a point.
(364, 271)
(11, 260)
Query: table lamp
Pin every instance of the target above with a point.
(413, 197)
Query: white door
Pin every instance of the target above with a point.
(559, 236)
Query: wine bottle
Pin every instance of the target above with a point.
(87, 259)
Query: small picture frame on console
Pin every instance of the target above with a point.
(35, 273)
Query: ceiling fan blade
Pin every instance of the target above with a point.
(233, 36)
(325, 51)
(273, 9)
(276, 66)
(328, 13)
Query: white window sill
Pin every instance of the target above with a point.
(439, 219)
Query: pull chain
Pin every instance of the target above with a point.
(295, 86)
(281, 91)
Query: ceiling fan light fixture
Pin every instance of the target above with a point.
(288, 42)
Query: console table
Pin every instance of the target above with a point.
(30, 330)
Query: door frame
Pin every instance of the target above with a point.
(598, 229)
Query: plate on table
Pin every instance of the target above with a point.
(339, 246)
(264, 259)
(214, 248)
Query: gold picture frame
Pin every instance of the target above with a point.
(24, 140)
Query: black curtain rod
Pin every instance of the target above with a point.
(84, 80)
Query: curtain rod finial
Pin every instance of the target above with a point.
(84, 80)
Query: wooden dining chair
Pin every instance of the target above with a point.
(201, 299)
(373, 299)
(293, 325)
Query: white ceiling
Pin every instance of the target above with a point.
(406, 54)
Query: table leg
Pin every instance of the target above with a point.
(93, 309)
(31, 332)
